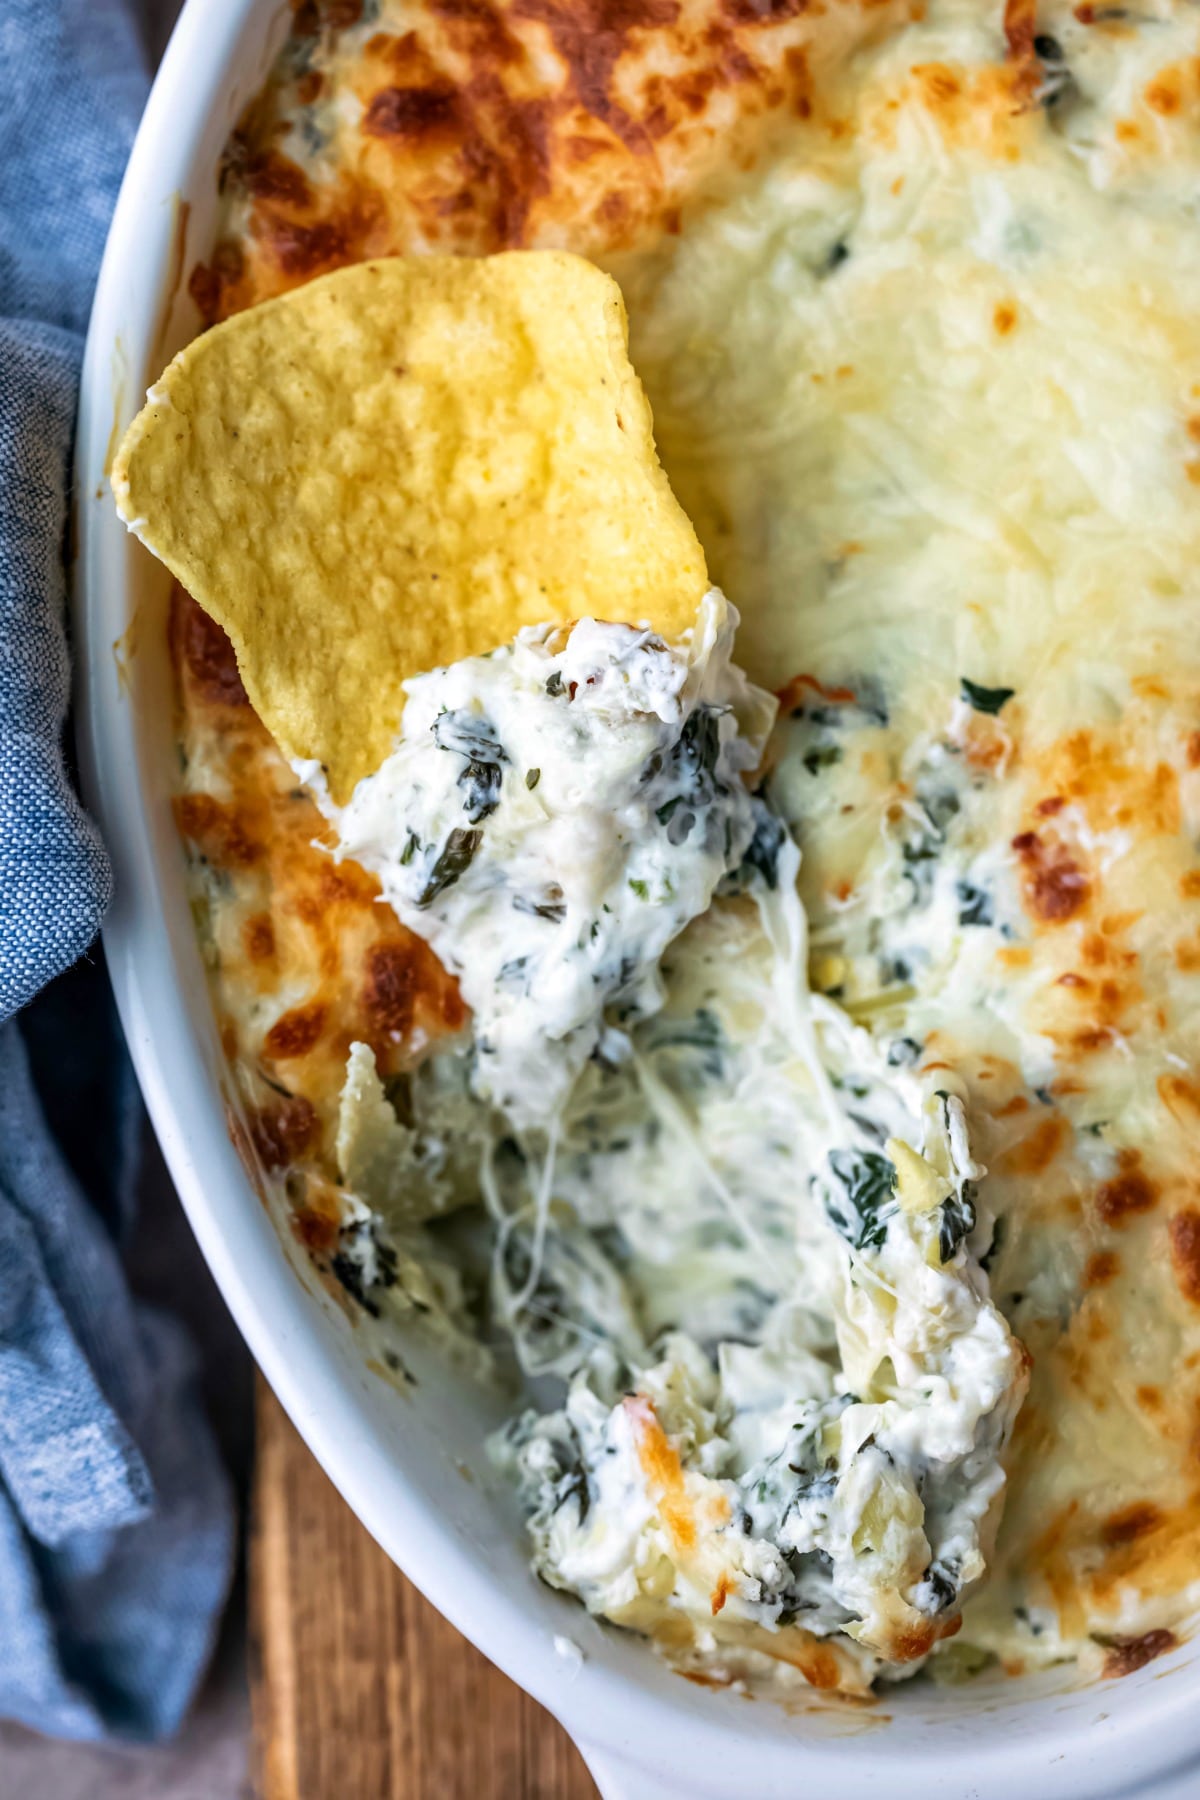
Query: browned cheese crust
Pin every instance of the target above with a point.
(475, 126)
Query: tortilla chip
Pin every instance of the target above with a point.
(400, 465)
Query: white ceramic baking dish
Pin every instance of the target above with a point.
(413, 1467)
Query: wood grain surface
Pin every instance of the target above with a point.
(360, 1690)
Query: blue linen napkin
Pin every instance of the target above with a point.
(116, 1520)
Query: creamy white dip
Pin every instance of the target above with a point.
(551, 818)
(722, 1212)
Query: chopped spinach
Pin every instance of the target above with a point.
(678, 817)
(693, 757)
(939, 805)
(821, 756)
(985, 699)
(1058, 83)
(555, 685)
(470, 735)
(865, 705)
(974, 905)
(411, 845)
(568, 1478)
(532, 778)
(857, 1207)
(552, 907)
(454, 860)
(577, 1487)
(957, 1219)
(640, 888)
(939, 1586)
(762, 852)
(923, 848)
(357, 1243)
(350, 1274)
(698, 1031)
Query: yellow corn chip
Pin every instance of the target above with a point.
(398, 466)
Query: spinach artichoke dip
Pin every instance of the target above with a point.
(790, 1076)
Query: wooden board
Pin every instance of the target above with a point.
(361, 1691)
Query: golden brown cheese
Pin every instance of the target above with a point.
(305, 959)
(482, 125)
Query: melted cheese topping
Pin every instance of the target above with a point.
(921, 343)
